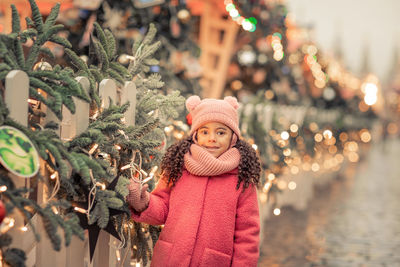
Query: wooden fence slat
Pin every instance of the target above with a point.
(16, 96)
(107, 91)
(105, 254)
(74, 124)
(128, 93)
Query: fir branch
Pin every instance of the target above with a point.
(37, 17)
(115, 75)
(15, 257)
(29, 22)
(51, 19)
(76, 61)
(60, 40)
(84, 170)
(120, 69)
(96, 74)
(101, 55)
(32, 56)
(51, 33)
(122, 186)
(19, 51)
(3, 74)
(5, 67)
(15, 21)
(114, 202)
(112, 49)
(46, 51)
(150, 35)
(102, 37)
(5, 55)
(51, 231)
(104, 216)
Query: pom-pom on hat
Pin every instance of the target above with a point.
(213, 110)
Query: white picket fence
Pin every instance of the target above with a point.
(77, 254)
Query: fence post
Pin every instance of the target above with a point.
(107, 92)
(103, 255)
(73, 125)
(16, 97)
(128, 93)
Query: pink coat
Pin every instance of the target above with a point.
(207, 222)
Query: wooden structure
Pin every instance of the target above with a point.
(217, 40)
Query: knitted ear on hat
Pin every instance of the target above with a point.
(192, 102)
(232, 101)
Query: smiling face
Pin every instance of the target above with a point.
(214, 137)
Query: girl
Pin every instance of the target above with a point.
(206, 197)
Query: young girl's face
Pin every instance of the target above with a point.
(215, 137)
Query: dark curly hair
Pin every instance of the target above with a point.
(249, 167)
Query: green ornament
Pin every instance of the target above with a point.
(17, 153)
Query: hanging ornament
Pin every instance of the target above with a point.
(183, 15)
(17, 153)
(123, 59)
(3, 211)
(42, 65)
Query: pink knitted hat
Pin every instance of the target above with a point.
(214, 110)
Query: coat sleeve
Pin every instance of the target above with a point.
(247, 230)
(157, 211)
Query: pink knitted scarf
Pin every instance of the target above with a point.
(200, 162)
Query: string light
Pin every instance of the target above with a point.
(294, 128)
(248, 24)
(285, 135)
(3, 188)
(292, 185)
(80, 210)
(125, 167)
(271, 177)
(277, 211)
(54, 210)
(7, 224)
(327, 134)
(118, 255)
(93, 148)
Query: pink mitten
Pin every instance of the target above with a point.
(138, 199)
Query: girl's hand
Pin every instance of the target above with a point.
(138, 197)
